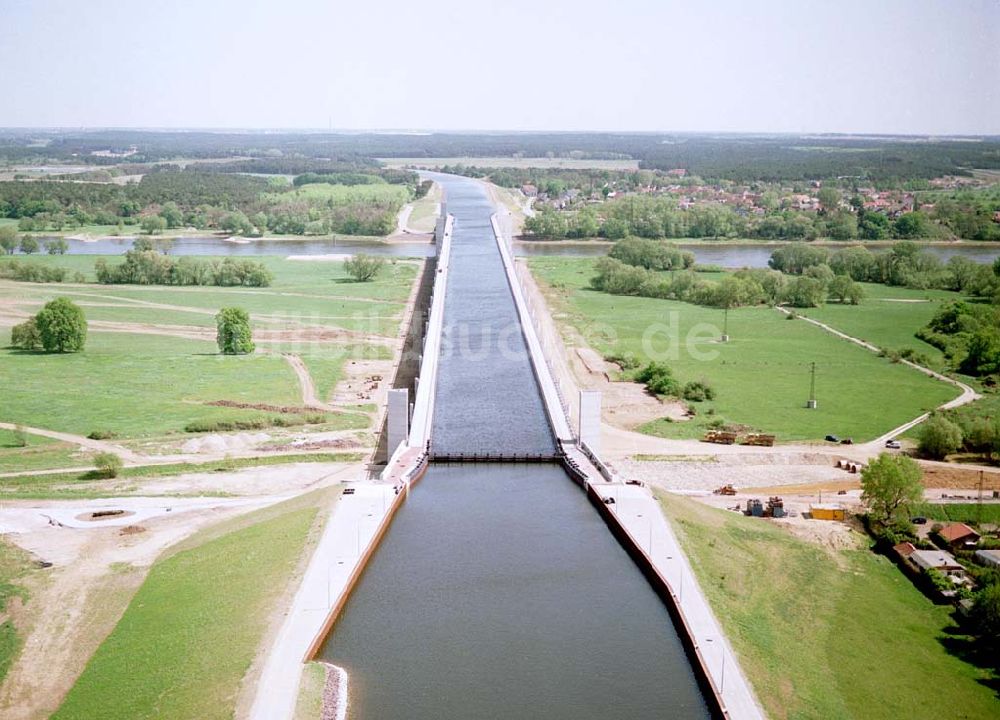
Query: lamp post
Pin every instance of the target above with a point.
(811, 402)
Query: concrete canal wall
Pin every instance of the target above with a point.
(667, 570)
(359, 521)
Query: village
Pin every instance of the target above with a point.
(844, 203)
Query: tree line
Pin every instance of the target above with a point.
(144, 266)
(237, 204)
(639, 271)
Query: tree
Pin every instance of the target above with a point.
(26, 336)
(986, 613)
(108, 464)
(8, 239)
(234, 335)
(939, 436)
(910, 225)
(829, 198)
(236, 223)
(363, 267)
(804, 292)
(153, 224)
(62, 326)
(142, 244)
(56, 246)
(29, 245)
(845, 290)
(890, 483)
(172, 215)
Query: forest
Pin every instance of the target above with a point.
(742, 158)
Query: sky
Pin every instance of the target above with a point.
(851, 66)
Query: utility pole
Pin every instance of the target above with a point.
(811, 404)
(725, 324)
(979, 501)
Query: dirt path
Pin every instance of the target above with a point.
(404, 218)
(309, 397)
(98, 445)
(967, 395)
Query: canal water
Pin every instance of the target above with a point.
(498, 591)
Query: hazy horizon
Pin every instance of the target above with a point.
(919, 67)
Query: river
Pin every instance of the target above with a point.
(498, 591)
(724, 254)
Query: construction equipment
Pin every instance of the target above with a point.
(755, 508)
(722, 437)
(724, 490)
(775, 507)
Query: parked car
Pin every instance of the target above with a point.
(832, 438)
(847, 441)
(919, 521)
(893, 444)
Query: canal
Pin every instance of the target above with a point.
(498, 592)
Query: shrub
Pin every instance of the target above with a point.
(363, 267)
(31, 272)
(698, 391)
(626, 360)
(659, 379)
(62, 326)
(101, 435)
(108, 464)
(25, 336)
(20, 437)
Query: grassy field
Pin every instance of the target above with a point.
(310, 702)
(191, 631)
(512, 162)
(424, 214)
(883, 320)
(828, 634)
(761, 376)
(14, 564)
(69, 485)
(343, 194)
(959, 512)
(137, 384)
(41, 453)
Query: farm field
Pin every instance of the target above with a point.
(827, 632)
(190, 633)
(761, 376)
